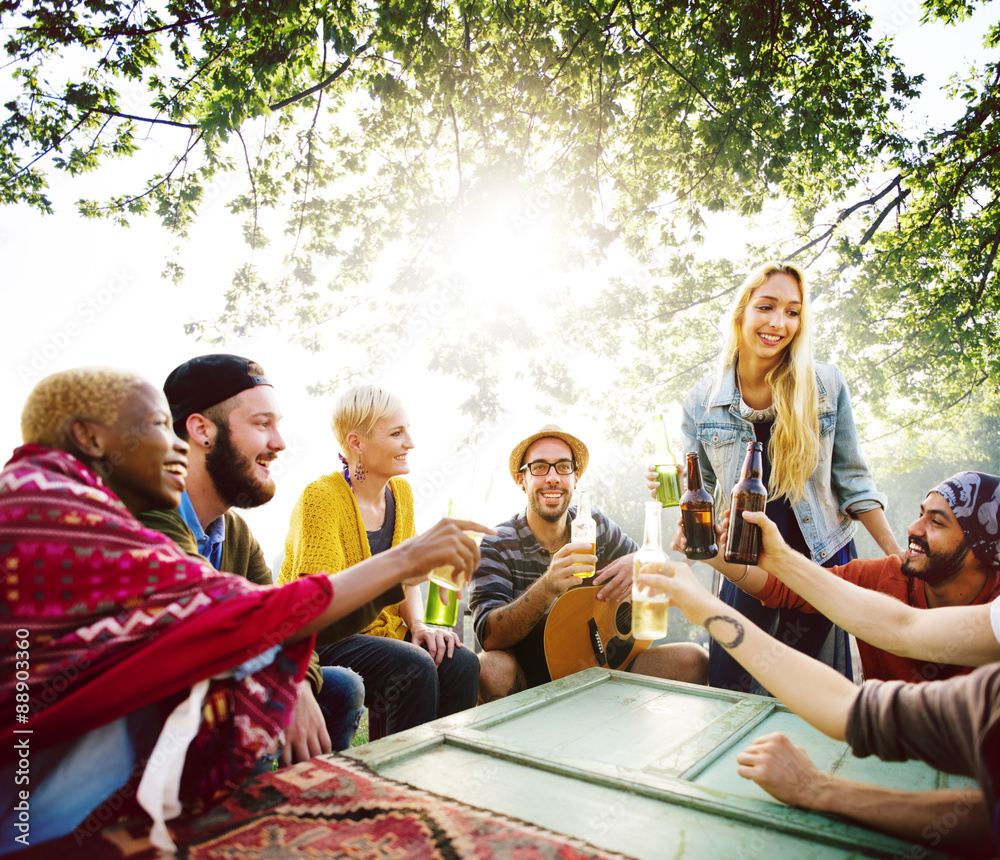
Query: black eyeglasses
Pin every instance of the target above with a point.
(540, 468)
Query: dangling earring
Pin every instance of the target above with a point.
(360, 472)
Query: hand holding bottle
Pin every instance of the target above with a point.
(453, 577)
(561, 574)
(445, 544)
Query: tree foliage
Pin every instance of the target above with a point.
(399, 159)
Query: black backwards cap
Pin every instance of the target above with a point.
(208, 380)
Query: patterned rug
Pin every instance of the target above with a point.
(335, 807)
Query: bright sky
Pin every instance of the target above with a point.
(83, 292)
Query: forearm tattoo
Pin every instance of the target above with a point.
(737, 640)
(499, 616)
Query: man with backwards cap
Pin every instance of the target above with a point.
(224, 406)
(530, 562)
(952, 567)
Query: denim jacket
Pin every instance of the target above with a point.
(841, 485)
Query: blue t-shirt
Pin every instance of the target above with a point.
(210, 542)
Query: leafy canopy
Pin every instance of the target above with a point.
(464, 173)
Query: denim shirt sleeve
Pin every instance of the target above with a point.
(712, 427)
(852, 480)
(689, 432)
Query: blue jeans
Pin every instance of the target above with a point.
(342, 701)
(403, 687)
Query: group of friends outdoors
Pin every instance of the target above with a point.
(159, 662)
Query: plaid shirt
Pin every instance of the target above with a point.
(512, 560)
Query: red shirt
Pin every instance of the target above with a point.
(885, 575)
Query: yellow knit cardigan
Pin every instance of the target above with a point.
(327, 533)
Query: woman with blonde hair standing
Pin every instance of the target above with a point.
(768, 389)
(413, 672)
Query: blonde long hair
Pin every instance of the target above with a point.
(794, 447)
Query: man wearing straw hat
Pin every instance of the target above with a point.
(530, 562)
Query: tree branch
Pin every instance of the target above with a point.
(845, 215)
(882, 216)
(253, 189)
(114, 32)
(323, 84)
(163, 181)
(642, 38)
(190, 126)
(309, 161)
(689, 305)
(934, 414)
(458, 151)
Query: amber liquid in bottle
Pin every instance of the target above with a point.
(750, 494)
(698, 514)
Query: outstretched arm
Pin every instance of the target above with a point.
(408, 563)
(951, 634)
(820, 695)
(951, 819)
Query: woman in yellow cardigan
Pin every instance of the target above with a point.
(413, 673)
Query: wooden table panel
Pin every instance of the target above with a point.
(639, 766)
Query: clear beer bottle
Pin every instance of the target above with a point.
(584, 529)
(649, 603)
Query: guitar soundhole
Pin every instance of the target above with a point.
(623, 619)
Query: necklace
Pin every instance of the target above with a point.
(754, 416)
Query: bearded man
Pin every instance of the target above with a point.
(950, 560)
(225, 407)
(530, 562)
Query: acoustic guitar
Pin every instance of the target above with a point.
(582, 631)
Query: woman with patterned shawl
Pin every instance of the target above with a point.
(132, 673)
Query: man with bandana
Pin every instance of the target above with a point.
(950, 560)
(952, 567)
(224, 406)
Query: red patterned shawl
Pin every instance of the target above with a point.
(117, 617)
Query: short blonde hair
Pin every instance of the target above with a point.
(88, 393)
(359, 409)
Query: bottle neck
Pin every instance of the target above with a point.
(752, 466)
(693, 473)
(651, 531)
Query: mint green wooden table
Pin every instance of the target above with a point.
(640, 766)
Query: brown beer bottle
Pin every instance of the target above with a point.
(698, 514)
(750, 494)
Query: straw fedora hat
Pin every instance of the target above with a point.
(580, 452)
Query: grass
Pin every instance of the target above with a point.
(361, 736)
